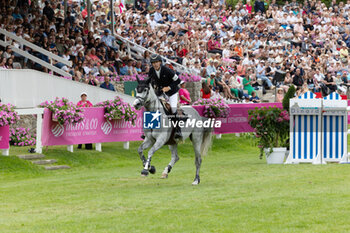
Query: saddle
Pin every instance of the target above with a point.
(178, 115)
(168, 111)
(166, 106)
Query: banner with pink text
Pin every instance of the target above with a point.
(4, 137)
(94, 129)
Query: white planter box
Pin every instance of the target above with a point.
(277, 155)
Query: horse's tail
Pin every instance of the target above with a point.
(206, 142)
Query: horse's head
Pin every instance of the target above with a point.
(142, 93)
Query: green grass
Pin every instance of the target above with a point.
(103, 192)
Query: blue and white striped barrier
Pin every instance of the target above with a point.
(318, 129)
(307, 95)
(333, 96)
(305, 129)
(334, 128)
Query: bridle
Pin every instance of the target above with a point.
(143, 101)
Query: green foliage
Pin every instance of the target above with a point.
(117, 109)
(64, 111)
(271, 126)
(214, 108)
(22, 137)
(289, 95)
(232, 2)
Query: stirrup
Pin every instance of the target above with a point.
(183, 117)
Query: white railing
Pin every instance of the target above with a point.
(26, 88)
(35, 48)
(137, 51)
(39, 120)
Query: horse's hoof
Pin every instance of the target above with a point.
(195, 182)
(144, 172)
(164, 176)
(152, 170)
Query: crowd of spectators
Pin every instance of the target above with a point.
(237, 48)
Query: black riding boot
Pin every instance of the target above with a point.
(178, 134)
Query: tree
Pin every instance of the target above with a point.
(289, 95)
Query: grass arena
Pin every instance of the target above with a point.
(104, 192)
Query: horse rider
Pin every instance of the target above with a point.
(165, 81)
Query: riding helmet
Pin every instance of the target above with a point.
(155, 58)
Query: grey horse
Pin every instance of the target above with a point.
(201, 137)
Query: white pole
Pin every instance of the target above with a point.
(39, 121)
(289, 159)
(65, 7)
(99, 147)
(126, 145)
(128, 48)
(89, 13)
(112, 16)
(6, 152)
(70, 148)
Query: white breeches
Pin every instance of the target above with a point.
(173, 100)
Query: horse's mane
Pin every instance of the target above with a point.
(154, 96)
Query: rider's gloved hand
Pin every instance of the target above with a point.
(166, 89)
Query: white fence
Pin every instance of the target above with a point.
(10, 37)
(28, 88)
(137, 51)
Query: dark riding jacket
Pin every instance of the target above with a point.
(167, 78)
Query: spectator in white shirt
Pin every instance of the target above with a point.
(158, 16)
(152, 22)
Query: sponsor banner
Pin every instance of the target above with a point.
(237, 121)
(4, 137)
(94, 129)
